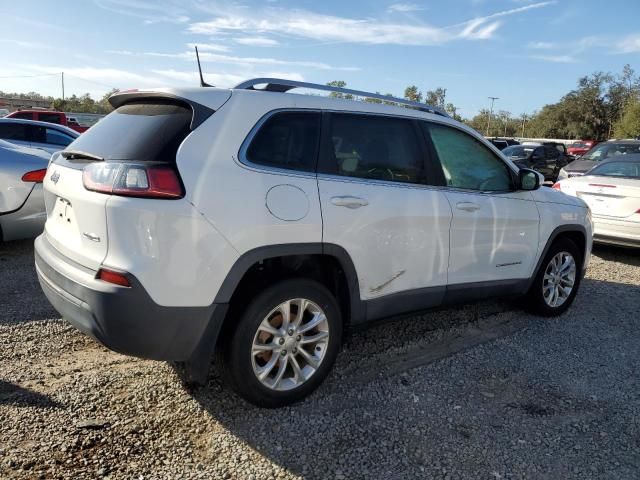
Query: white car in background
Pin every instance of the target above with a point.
(612, 191)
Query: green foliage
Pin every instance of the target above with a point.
(83, 104)
(629, 125)
(339, 84)
(412, 93)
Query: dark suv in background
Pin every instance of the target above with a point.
(546, 159)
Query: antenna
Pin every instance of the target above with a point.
(202, 82)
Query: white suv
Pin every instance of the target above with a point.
(262, 224)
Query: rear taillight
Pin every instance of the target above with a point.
(36, 176)
(133, 180)
(110, 276)
(556, 186)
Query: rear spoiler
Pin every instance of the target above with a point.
(200, 112)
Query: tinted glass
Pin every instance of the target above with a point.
(551, 152)
(618, 169)
(287, 140)
(56, 137)
(13, 131)
(518, 151)
(466, 162)
(609, 150)
(144, 130)
(23, 115)
(375, 147)
(49, 117)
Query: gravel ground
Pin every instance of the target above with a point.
(476, 392)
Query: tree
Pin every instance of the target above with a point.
(629, 125)
(436, 98)
(413, 94)
(339, 84)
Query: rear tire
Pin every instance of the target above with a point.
(271, 360)
(557, 280)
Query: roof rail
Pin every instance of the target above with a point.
(282, 85)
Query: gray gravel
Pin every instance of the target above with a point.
(476, 392)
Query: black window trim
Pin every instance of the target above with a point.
(327, 169)
(483, 141)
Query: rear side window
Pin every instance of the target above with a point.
(13, 131)
(56, 137)
(143, 130)
(287, 140)
(49, 117)
(466, 162)
(374, 147)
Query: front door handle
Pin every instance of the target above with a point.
(467, 206)
(349, 202)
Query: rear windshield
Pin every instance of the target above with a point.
(618, 169)
(143, 130)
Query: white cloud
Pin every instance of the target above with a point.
(235, 60)
(23, 43)
(222, 79)
(208, 47)
(150, 12)
(257, 41)
(629, 44)
(404, 8)
(331, 28)
(555, 58)
(540, 45)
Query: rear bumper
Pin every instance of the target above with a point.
(124, 319)
(616, 232)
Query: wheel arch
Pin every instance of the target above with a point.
(575, 232)
(328, 256)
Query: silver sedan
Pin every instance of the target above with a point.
(22, 211)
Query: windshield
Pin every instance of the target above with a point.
(618, 169)
(518, 151)
(610, 150)
(578, 145)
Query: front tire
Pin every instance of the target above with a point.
(284, 344)
(557, 281)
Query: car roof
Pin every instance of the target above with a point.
(40, 124)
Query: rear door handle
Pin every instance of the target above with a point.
(349, 202)
(467, 206)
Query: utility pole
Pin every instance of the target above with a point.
(493, 99)
(62, 77)
(524, 119)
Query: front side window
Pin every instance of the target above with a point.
(287, 140)
(374, 147)
(49, 117)
(466, 162)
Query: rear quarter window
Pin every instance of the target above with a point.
(143, 130)
(287, 140)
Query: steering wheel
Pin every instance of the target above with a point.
(384, 172)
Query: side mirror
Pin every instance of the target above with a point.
(528, 179)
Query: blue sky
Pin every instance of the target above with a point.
(528, 53)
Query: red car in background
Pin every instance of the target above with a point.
(50, 116)
(581, 147)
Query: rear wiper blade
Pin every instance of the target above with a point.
(77, 155)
